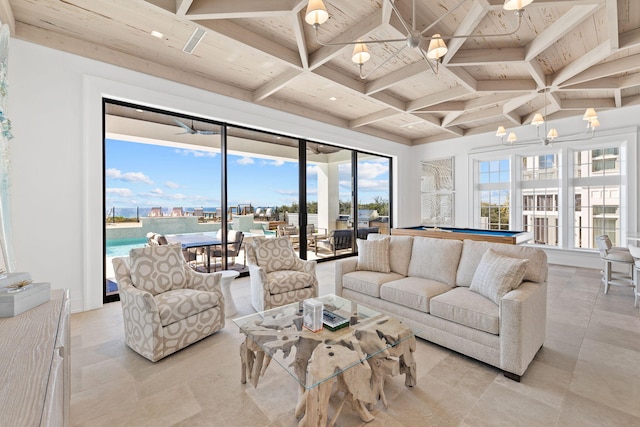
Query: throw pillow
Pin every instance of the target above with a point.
(496, 275)
(276, 254)
(373, 255)
(158, 269)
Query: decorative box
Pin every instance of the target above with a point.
(14, 303)
(7, 279)
(312, 314)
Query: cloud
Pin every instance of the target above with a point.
(119, 192)
(370, 170)
(287, 192)
(245, 161)
(312, 170)
(128, 176)
(170, 184)
(196, 153)
(373, 185)
(157, 192)
(276, 163)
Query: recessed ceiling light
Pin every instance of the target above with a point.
(333, 98)
(157, 34)
(139, 110)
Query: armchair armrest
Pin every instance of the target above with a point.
(208, 282)
(259, 291)
(523, 317)
(344, 266)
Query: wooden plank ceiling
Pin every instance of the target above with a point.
(585, 53)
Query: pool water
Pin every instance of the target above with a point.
(121, 247)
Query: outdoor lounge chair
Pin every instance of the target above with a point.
(338, 240)
(177, 212)
(155, 212)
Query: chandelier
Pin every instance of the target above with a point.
(317, 15)
(546, 138)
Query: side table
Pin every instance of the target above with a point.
(225, 281)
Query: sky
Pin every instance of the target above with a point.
(145, 175)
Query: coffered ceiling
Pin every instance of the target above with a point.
(586, 53)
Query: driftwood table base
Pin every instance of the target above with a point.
(353, 363)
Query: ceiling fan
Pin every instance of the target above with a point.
(192, 130)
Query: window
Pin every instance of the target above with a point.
(540, 190)
(564, 196)
(494, 194)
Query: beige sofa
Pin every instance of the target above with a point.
(486, 304)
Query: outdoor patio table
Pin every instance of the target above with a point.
(196, 240)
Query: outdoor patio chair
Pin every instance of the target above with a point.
(165, 304)
(177, 212)
(234, 245)
(338, 240)
(278, 275)
(155, 212)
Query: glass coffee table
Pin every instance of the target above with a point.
(357, 357)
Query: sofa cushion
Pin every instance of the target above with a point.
(412, 292)
(399, 251)
(496, 275)
(179, 304)
(157, 269)
(435, 259)
(368, 282)
(465, 307)
(473, 251)
(373, 255)
(275, 254)
(281, 281)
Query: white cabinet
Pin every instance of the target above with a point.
(35, 365)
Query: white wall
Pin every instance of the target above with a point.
(56, 155)
(615, 124)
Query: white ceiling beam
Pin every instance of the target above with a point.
(276, 84)
(182, 7)
(631, 80)
(450, 117)
(631, 100)
(301, 42)
(437, 98)
(470, 22)
(479, 115)
(585, 61)
(390, 100)
(253, 40)
(514, 118)
(373, 117)
(536, 72)
(462, 77)
(618, 66)
(518, 102)
(234, 9)
(605, 83)
(469, 57)
(354, 32)
(612, 23)
(340, 78)
(506, 85)
(395, 77)
(617, 98)
(559, 29)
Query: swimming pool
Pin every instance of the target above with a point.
(121, 247)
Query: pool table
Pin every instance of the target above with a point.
(496, 236)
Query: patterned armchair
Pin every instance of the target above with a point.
(165, 304)
(278, 275)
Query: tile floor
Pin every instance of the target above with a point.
(587, 373)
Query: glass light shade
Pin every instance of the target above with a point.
(360, 54)
(553, 133)
(516, 4)
(501, 131)
(316, 13)
(512, 137)
(590, 114)
(537, 120)
(437, 48)
(594, 123)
